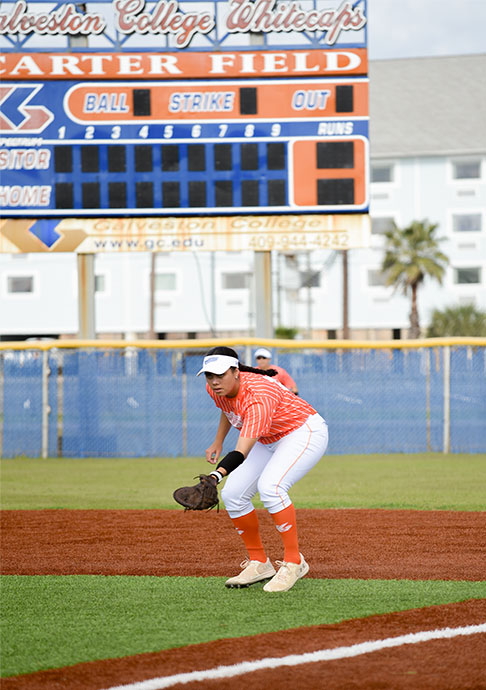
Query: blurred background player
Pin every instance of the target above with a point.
(264, 361)
(281, 438)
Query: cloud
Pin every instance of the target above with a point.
(419, 28)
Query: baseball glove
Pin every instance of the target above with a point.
(202, 496)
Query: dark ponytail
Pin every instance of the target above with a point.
(223, 350)
(255, 370)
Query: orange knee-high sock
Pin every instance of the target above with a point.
(286, 524)
(248, 529)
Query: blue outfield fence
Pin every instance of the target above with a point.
(143, 399)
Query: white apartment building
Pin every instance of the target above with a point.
(428, 161)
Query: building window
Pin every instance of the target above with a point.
(382, 173)
(20, 284)
(310, 279)
(376, 278)
(466, 222)
(379, 226)
(100, 283)
(236, 281)
(165, 281)
(467, 276)
(466, 170)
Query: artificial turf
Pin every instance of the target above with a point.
(54, 621)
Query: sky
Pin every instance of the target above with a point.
(423, 28)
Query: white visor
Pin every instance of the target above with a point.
(217, 364)
(263, 352)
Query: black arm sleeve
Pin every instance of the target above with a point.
(231, 461)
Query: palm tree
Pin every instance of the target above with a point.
(459, 320)
(411, 254)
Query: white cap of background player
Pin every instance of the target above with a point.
(217, 364)
(263, 352)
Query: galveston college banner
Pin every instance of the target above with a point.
(235, 233)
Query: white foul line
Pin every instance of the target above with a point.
(296, 659)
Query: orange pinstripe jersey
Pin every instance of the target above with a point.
(283, 376)
(263, 409)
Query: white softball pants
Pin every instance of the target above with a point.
(271, 469)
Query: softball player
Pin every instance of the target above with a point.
(281, 438)
(264, 360)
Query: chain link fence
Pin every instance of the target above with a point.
(140, 400)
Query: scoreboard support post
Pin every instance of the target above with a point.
(86, 297)
(263, 294)
(344, 254)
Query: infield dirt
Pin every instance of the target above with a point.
(364, 544)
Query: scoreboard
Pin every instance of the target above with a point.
(180, 108)
(184, 147)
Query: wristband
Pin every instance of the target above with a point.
(231, 461)
(216, 474)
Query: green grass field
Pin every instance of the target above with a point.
(52, 621)
(423, 482)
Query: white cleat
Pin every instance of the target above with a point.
(253, 571)
(287, 575)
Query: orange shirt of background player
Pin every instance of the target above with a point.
(284, 377)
